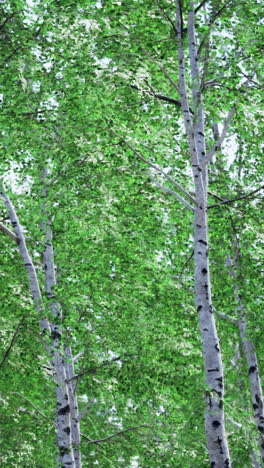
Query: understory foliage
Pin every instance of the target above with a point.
(90, 91)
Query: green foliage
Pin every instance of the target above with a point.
(78, 88)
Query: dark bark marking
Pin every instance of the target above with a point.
(227, 463)
(212, 464)
(201, 133)
(261, 429)
(200, 253)
(252, 369)
(198, 225)
(67, 430)
(63, 451)
(258, 400)
(199, 308)
(211, 310)
(217, 348)
(203, 153)
(219, 441)
(216, 369)
(205, 329)
(221, 404)
(64, 410)
(196, 176)
(255, 406)
(216, 424)
(204, 271)
(202, 242)
(55, 335)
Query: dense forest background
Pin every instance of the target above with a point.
(96, 179)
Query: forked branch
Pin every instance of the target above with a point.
(217, 145)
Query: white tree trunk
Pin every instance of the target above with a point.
(214, 416)
(249, 350)
(67, 416)
(53, 335)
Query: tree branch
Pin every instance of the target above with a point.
(149, 56)
(86, 409)
(158, 169)
(171, 192)
(7, 352)
(33, 406)
(218, 144)
(7, 231)
(116, 434)
(225, 202)
(200, 6)
(226, 317)
(160, 96)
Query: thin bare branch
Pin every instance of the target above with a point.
(116, 434)
(161, 171)
(153, 60)
(166, 16)
(225, 202)
(171, 192)
(159, 96)
(217, 145)
(226, 317)
(181, 69)
(10, 233)
(7, 352)
(86, 409)
(33, 406)
(200, 6)
(75, 358)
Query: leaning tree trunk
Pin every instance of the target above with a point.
(214, 415)
(52, 333)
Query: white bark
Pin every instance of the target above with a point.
(214, 416)
(49, 331)
(249, 350)
(74, 411)
(68, 428)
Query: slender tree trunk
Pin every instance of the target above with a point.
(75, 421)
(53, 337)
(62, 353)
(249, 350)
(214, 415)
